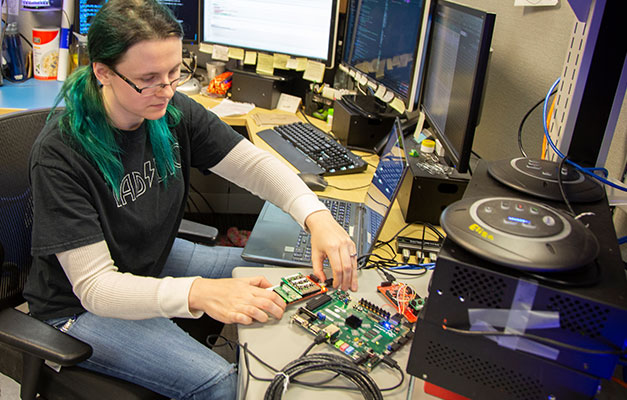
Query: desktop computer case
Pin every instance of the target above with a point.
(357, 131)
(261, 91)
(423, 196)
(592, 316)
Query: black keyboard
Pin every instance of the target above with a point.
(340, 210)
(310, 150)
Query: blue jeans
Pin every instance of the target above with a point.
(156, 353)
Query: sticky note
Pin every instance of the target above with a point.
(235, 53)
(250, 58)
(280, 61)
(265, 64)
(398, 105)
(220, 53)
(205, 48)
(301, 63)
(314, 71)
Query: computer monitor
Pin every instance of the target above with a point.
(299, 28)
(185, 11)
(455, 74)
(382, 43)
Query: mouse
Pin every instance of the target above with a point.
(314, 182)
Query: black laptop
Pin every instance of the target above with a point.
(277, 239)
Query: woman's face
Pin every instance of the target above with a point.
(145, 64)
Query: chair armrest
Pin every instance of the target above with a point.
(198, 233)
(34, 337)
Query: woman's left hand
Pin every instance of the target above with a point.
(330, 241)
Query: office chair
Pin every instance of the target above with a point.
(25, 342)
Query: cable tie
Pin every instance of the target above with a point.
(286, 382)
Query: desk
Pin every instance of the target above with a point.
(279, 342)
(29, 94)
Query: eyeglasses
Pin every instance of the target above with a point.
(150, 90)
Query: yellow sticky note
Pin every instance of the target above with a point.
(280, 61)
(235, 53)
(292, 63)
(314, 71)
(265, 64)
(205, 48)
(250, 58)
(301, 63)
(398, 105)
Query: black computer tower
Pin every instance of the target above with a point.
(262, 91)
(361, 126)
(423, 195)
(591, 303)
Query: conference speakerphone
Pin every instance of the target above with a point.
(540, 178)
(519, 233)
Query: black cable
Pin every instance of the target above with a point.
(422, 244)
(353, 188)
(433, 229)
(190, 200)
(321, 362)
(202, 197)
(522, 123)
(537, 338)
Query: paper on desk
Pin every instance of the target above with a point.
(534, 3)
(273, 119)
(227, 108)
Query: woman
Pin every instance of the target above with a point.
(110, 178)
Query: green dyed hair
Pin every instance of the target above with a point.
(118, 25)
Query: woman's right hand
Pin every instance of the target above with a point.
(236, 300)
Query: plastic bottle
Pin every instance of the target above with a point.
(330, 117)
(427, 151)
(78, 52)
(13, 53)
(428, 160)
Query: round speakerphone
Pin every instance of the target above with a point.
(539, 178)
(521, 234)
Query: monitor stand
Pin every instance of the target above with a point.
(539, 178)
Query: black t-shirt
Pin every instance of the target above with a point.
(74, 207)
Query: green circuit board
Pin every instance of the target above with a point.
(359, 329)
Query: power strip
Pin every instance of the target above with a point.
(427, 248)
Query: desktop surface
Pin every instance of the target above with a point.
(29, 94)
(279, 342)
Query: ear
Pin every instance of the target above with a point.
(103, 73)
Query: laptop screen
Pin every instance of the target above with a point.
(385, 182)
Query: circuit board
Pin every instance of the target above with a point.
(297, 287)
(404, 299)
(359, 329)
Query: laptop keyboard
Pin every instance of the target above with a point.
(341, 211)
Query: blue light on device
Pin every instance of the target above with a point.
(521, 220)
